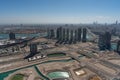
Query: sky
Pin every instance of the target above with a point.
(59, 11)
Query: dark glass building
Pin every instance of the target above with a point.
(108, 40)
(52, 34)
(67, 35)
(48, 31)
(12, 36)
(118, 46)
(33, 48)
(60, 34)
(79, 34)
(57, 33)
(101, 42)
(71, 36)
(105, 41)
(63, 35)
(84, 37)
(75, 36)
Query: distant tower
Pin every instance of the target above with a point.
(79, 34)
(11, 36)
(76, 36)
(60, 34)
(67, 35)
(116, 22)
(57, 33)
(84, 39)
(118, 46)
(71, 36)
(63, 35)
(113, 31)
(105, 41)
(52, 34)
(108, 40)
(48, 33)
(101, 42)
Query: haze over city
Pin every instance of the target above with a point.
(58, 11)
(59, 40)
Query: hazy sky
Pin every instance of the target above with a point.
(59, 11)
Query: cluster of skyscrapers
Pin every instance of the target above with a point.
(67, 36)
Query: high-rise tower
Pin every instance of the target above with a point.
(67, 35)
(118, 46)
(48, 33)
(79, 34)
(108, 40)
(33, 48)
(84, 39)
(101, 42)
(71, 36)
(52, 34)
(105, 41)
(63, 35)
(11, 36)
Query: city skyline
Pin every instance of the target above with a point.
(58, 11)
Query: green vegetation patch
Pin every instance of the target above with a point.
(17, 77)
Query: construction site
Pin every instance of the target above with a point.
(62, 54)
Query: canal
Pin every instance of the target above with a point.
(5, 74)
